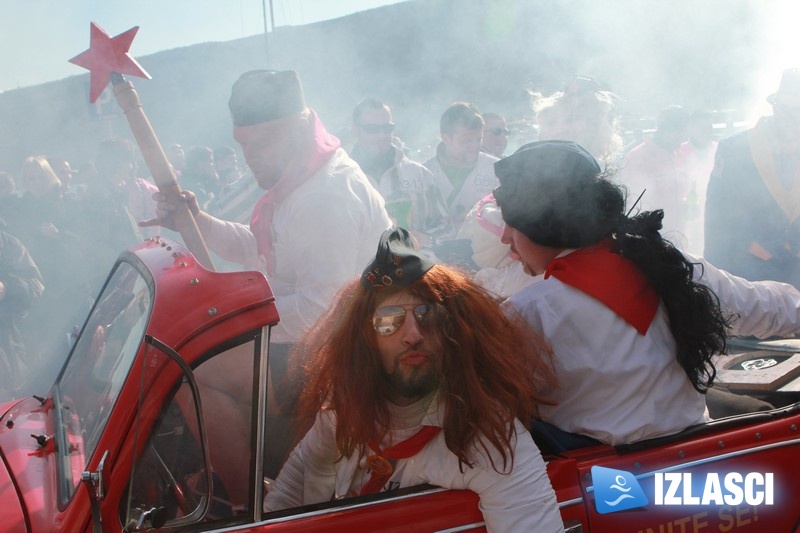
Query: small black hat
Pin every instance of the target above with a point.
(553, 193)
(263, 95)
(397, 262)
(789, 88)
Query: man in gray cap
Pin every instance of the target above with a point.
(316, 225)
(313, 230)
(423, 381)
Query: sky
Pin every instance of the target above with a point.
(38, 37)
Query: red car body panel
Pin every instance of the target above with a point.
(11, 514)
(194, 310)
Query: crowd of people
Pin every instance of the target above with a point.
(575, 231)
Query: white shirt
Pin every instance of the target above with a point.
(324, 234)
(519, 499)
(760, 309)
(618, 386)
(480, 182)
(614, 384)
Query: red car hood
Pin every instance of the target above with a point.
(25, 467)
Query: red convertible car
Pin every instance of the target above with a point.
(131, 437)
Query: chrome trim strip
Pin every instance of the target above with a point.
(348, 507)
(465, 527)
(569, 503)
(561, 505)
(261, 418)
(714, 459)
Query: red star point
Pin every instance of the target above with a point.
(105, 55)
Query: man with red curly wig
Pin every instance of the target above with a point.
(417, 377)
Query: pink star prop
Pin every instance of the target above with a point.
(106, 55)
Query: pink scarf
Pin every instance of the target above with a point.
(610, 278)
(304, 165)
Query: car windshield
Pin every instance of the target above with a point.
(89, 385)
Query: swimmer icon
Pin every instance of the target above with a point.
(616, 490)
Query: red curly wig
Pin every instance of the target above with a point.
(494, 367)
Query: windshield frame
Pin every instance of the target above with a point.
(69, 435)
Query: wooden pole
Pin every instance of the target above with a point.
(160, 169)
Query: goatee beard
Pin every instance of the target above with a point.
(418, 383)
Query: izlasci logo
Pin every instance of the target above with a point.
(676, 488)
(616, 490)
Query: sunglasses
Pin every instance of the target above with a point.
(387, 320)
(499, 131)
(372, 129)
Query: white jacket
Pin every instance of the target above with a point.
(521, 499)
(324, 234)
(480, 182)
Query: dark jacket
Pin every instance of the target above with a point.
(746, 231)
(23, 286)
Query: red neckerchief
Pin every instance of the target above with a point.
(378, 463)
(298, 172)
(610, 278)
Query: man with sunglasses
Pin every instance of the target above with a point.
(412, 199)
(417, 377)
(752, 218)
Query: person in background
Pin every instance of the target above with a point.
(495, 134)
(461, 171)
(655, 166)
(200, 175)
(417, 377)
(697, 158)
(412, 199)
(240, 190)
(632, 332)
(235, 201)
(583, 111)
(64, 172)
(47, 222)
(84, 175)
(21, 285)
(177, 158)
(8, 188)
(106, 207)
(752, 216)
(227, 165)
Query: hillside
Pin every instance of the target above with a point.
(419, 56)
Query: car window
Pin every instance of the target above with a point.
(284, 429)
(198, 470)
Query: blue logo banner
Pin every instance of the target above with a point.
(616, 490)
